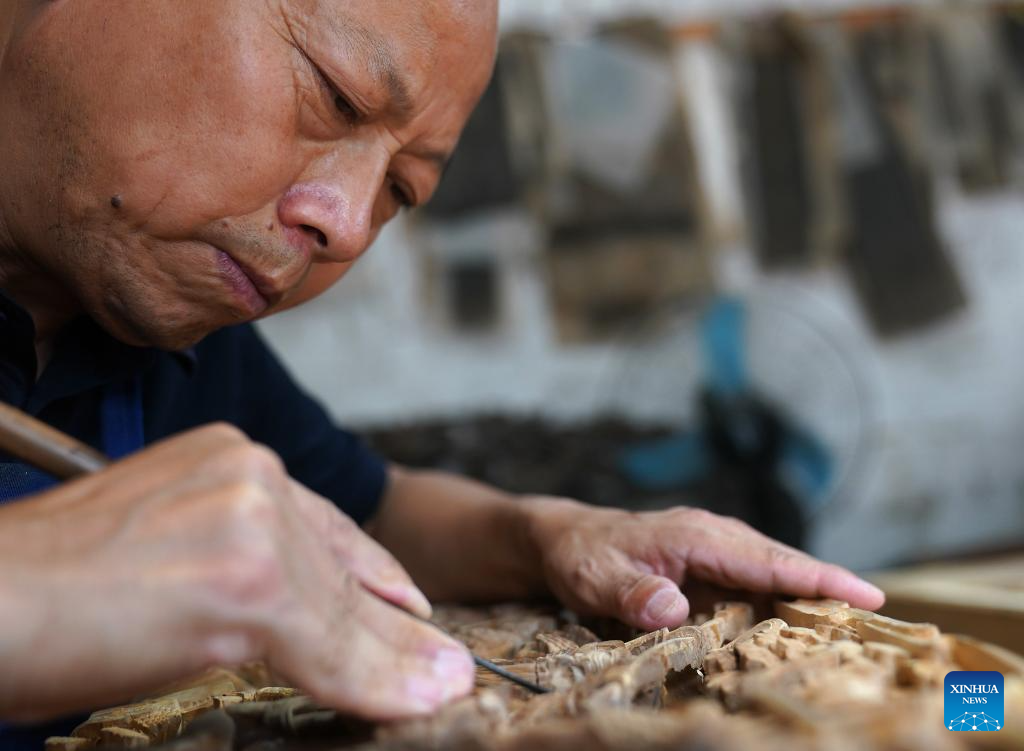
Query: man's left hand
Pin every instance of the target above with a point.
(631, 565)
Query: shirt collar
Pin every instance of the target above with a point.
(107, 353)
(187, 359)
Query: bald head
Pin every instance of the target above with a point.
(173, 166)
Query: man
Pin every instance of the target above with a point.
(173, 168)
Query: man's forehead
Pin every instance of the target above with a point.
(381, 57)
(403, 44)
(398, 42)
(389, 31)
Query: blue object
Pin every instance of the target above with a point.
(804, 465)
(120, 426)
(17, 480)
(682, 459)
(667, 464)
(722, 336)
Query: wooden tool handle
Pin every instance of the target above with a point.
(50, 450)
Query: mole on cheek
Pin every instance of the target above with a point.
(116, 201)
(270, 227)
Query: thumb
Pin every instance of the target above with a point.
(645, 600)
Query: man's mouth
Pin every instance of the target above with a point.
(244, 285)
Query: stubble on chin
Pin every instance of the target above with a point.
(137, 294)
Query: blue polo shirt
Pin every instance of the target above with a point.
(231, 376)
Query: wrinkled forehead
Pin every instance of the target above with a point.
(420, 37)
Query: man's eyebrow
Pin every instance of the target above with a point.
(381, 63)
(440, 159)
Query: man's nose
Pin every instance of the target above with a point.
(333, 213)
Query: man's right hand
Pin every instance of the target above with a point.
(201, 551)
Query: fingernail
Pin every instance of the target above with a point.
(453, 668)
(423, 694)
(451, 675)
(660, 604)
(871, 589)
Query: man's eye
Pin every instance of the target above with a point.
(340, 101)
(344, 106)
(401, 196)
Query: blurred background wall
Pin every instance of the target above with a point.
(763, 258)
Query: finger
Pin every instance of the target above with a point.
(839, 583)
(361, 555)
(376, 661)
(749, 560)
(171, 461)
(796, 573)
(641, 599)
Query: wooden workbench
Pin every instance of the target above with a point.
(982, 598)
